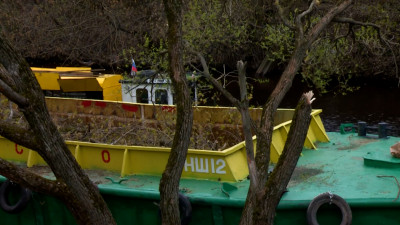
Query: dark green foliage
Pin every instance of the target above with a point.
(110, 33)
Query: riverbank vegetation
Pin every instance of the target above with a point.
(108, 33)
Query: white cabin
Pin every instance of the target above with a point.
(146, 89)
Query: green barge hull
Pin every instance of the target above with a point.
(359, 169)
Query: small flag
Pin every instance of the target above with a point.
(134, 69)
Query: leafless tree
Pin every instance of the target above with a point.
(72, 185)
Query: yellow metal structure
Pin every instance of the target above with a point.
(62, 69)
(77, 84)
(111, 86)
(227, 165)
(79, 79)
(48, 80)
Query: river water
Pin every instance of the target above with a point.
(377, 100)
(372, 103)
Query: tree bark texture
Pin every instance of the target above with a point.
(72, 185)
(303, 43)
(243, 107)
(169, 184)
(268, 192)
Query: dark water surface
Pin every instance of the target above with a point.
(376, 100)
(372, 104)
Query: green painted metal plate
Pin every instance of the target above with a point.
(338, 167)
(381, 159)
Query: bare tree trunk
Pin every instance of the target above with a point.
(267, 195)
(18, 84)
(271, 193)
(169, 184)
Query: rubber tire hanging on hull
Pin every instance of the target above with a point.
(25, 196)
(330, 198)
(185, 209)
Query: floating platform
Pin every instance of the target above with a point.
(337, 167)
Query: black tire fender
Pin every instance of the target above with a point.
(330, 198)
(5, 189)
(185, 209)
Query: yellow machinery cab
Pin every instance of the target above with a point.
(78, 82)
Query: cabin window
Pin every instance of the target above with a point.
(142, 96)
(161, 96)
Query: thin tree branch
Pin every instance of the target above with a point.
(206, 73)
(352, 21)
(299, 24)
(381, 38)
(264, 66)
(247, 123)
(243, 107)
(349, 31)
(310, 8)
(242, 82)
(324, 21)
(285, 21)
